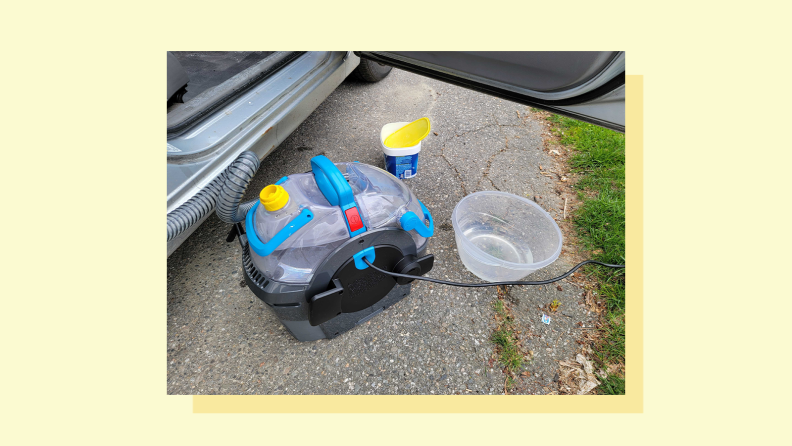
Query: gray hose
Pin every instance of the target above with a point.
(238, 176)
(206, 199)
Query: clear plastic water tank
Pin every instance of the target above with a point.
(382, 200)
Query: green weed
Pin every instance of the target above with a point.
(507, 345)
(509, 354)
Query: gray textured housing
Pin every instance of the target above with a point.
(291, 303)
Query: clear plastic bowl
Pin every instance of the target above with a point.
(502, 237)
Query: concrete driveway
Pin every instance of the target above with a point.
(223, 340)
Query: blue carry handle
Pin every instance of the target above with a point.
(411, 221)
(338, 192)
(332, 182)
(265, 249)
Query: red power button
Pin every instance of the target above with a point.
(354, 219)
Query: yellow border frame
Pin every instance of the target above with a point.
(632, 402)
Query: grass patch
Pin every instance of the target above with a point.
(509, 353)
(599, 160)
(507, 345)
(612, 385)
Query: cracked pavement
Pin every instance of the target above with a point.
(221, 339)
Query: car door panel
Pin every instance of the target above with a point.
(580, 84)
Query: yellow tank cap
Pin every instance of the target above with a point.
(273, 197)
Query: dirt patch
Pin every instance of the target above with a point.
(565, 181)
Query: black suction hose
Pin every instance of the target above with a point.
(224, 188)
(477, 285)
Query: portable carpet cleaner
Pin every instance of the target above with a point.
(331, 248)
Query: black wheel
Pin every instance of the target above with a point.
(370, 71)
(178, 97)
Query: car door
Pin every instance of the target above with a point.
(585, 85)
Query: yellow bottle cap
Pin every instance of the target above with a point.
(273, 197)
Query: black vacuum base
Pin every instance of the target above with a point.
(340, 296)
(295, 315)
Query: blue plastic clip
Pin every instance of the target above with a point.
(265, 249)
(368, 254)
(411, 221)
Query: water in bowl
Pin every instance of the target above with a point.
(498, 246)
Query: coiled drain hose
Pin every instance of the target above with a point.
(225, 192)
(238, 176)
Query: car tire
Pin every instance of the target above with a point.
(370, 71)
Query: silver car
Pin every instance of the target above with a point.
(229, 109)
(224, 103)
